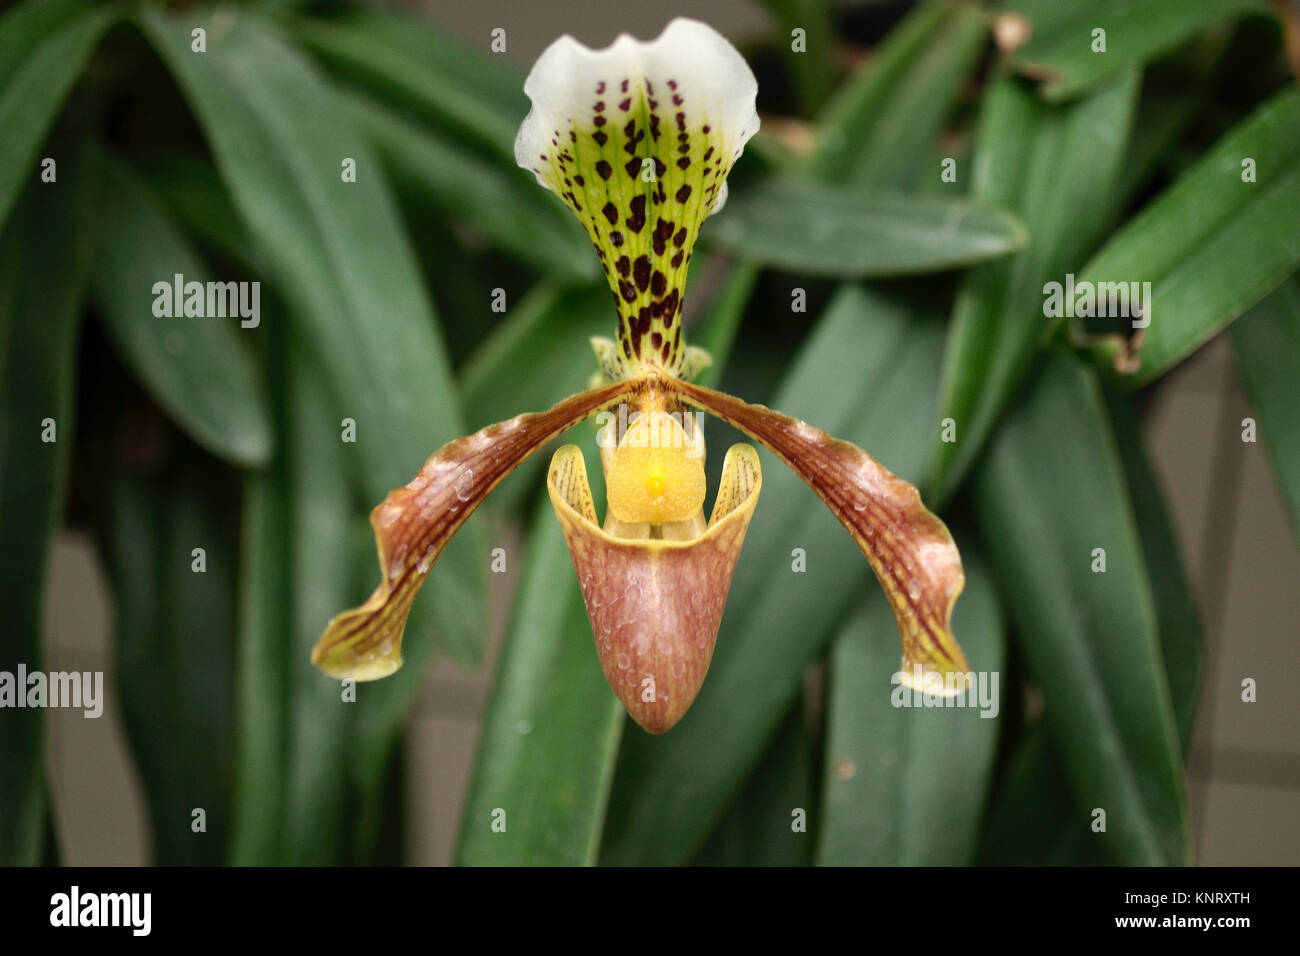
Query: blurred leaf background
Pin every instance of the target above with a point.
(848, 283)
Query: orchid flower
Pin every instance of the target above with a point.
(637, 139)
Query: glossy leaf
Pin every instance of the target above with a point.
(1211, 245)
(342, 263)
(826, 231)
(1050, 494)
(321, 740)
(1054, 165)
(504, 203)
(772, 820)
(194, 367)
(1062, 46)
(175, 668)
(43, 49)
(45, 253)
(867, 375)
(1267, 342)
(905, 785)
(812, 67)
(423, 69)
(880, 120)
(1178, 620)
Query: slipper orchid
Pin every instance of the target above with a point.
(637, 139)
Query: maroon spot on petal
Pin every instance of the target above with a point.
(627, 348)
(624, 266)
(656, 341)
(641, 272)
(654, 104)
(708, 152)
(600, 106)
(543, 157)
(707, 129)
(616, 238)
(654, 126)
(680, 237)
(636, 221)
(626, 104)
(649, 88)
(672, 84)
(682, 137)
(667, 349)
(603, 169)
(611, 212)
(622, 87)
(600, 87)
(663, 232)
(598, 120)
(599, 137)
(676, 260)
(677, 100)
(683, 162)
(684, 148)
(633, 166)
(573, 137)
(681, 120)
(668, 320)
(660, 168)
(579, 180)
(683, 194)
(627, 290)
(658, 283)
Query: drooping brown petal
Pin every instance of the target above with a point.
(910, 549)
(415, 522)
(655, 604)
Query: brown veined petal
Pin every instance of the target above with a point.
(910, 550)
(415, 522)
(655, 604)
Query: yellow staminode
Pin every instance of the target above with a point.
(656, 476)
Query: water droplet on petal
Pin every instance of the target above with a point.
(465, 484)
(914, 589)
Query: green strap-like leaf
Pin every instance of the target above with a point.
(1064, 51)
(772, 820)
(1267, 341)
(1211, 245)
(175, 667)
(45, 254)
(505, 204)
(820, 230)
(195, 367)
(1177, 619)
(882, 119)
(1055, 166)
(43, 48)
(905, 785)
(464, 91)
(340, 260)
(868, 376)
(1052, 507)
